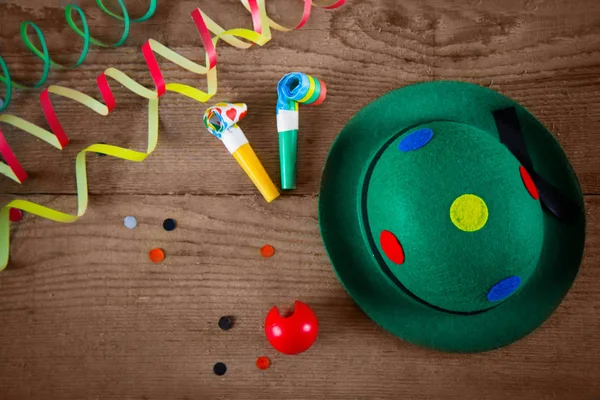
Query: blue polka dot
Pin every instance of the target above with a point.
(504, 288)
(415, 140)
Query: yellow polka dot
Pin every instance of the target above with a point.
(469, 213)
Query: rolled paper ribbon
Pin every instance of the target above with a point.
(81, 28)
(221, 121)
(240, 38)
(292, 89)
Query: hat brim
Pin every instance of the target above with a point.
(340, 216)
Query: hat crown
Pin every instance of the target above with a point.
(452, 216)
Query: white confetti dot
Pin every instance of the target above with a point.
(130, 222)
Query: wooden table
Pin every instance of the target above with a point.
(85, 315)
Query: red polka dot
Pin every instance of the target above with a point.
(391, 247)
(267, 251)
(528, 182)
(15, 215)
(263, 363)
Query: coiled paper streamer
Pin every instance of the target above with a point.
(292, 89)
(57, 138)
(83, 32)
(221, 120)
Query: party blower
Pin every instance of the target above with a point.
(221, 120)
(294, 88)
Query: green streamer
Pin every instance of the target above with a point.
(81, 28)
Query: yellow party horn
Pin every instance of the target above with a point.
(221, 120)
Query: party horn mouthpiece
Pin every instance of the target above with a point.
(292, 89)
(221, 121)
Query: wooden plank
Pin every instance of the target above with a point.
(544, 54)
(85, 315)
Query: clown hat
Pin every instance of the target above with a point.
(452, 216)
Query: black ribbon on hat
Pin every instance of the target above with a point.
(509, 131)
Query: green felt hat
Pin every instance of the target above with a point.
(452, 216)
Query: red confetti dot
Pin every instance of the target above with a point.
(15, 215)
(391, 247)
(528, 182)
(263, 363)
(267, 251)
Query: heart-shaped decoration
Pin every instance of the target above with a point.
(231, 114)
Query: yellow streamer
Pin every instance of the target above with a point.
(231, 36)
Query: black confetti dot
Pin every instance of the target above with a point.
(169, 224)
(220, 369)
(225, 323)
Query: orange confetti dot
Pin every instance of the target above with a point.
(263, 363)
(267, 251)
(157, 255)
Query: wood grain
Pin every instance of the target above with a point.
(88, 316)
(85, 315)
(545, 55)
